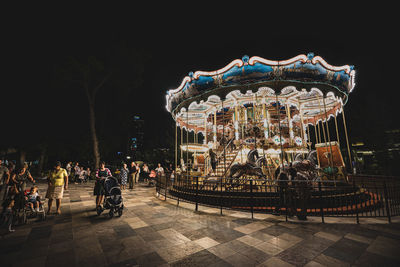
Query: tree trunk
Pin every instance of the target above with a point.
(43, 153)
(92, 122)
(22, 157)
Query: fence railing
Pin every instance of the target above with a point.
(361, 197)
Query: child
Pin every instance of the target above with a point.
(7, 214)
(32, 198)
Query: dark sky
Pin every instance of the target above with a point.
(32, 106)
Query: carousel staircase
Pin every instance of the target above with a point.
(225, 164)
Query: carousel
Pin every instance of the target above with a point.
(256, 118)
(254, 108)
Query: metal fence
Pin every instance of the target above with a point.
(360, 196)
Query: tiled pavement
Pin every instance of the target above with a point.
(154, 232)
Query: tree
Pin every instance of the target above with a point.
(120, 69)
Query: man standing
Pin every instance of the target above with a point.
(132, 174)
(4, 178)
(77, 171)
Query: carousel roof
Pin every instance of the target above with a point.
(303, 77)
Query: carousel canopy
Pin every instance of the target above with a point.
(304, 82)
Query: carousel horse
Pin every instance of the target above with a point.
(253, 167)
(302, 168)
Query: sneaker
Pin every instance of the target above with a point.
(37, 209)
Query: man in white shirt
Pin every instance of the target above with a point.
(77, 170)
(160, 169)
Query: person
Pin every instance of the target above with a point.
(77, 171)
(7, 214)
(159, 170)
(283, 191)
(88, 173)
(4, 177)
(21, 176)
(146, 172)
(137, 173)
(98, 190)
(11, 167)
(213, 159)
(124, 175)
(57, 183)
(132, 173)
(69, 168)
(82, 175)
(32, 198)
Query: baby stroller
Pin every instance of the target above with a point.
(112, 197)
(152, 178)
(22, 210)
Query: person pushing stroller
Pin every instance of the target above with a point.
(98, 190)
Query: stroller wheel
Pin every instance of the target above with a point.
(99, 210)
(119, 212)
(111, 213)
(24, 218)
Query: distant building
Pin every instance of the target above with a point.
(381, 160)
(135, 148)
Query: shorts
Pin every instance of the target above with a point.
(33, 201)
(55, 192)
(98, 189)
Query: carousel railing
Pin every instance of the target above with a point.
(355, 199)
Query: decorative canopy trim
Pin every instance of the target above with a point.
(302, 68)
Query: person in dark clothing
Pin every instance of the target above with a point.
(292, 172)
(132, 174)
(98, 190)
(213, 159)
(283, 189)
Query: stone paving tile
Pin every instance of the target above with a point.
(346, 250)
(274, 261)
(154, 232)
(222, 250)
(328, 236)
(201, 258)
(249, 240)
(371, 259)
(329, 261)
(386, 247)
(206, 242)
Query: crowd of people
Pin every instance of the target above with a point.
(13, 183)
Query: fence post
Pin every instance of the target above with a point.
(158, 185)
(197, 193)
(177, 183)
(286, 195)
(221, 196)
(166, 187)
(356, 200)
(321, 204)
(251, 197)
(386, 201)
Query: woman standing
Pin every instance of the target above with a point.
(124, 175)
(98, 191)
(21, 177)
(146, 172)
(57, 182)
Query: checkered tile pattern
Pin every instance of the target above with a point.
(154, 232)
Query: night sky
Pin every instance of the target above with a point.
(32, 108)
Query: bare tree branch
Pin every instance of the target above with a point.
(101, 83)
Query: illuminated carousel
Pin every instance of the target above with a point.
(255, 118)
